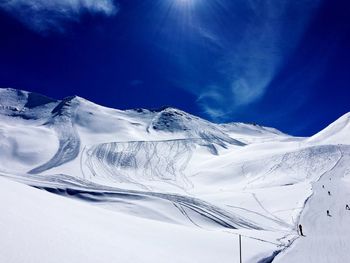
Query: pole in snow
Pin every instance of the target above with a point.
(240, 249)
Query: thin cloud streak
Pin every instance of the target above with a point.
(43, 15)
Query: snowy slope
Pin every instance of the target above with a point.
(336, 133)
(326, 237)
(49, 228)
(250, 133)
(161, 175)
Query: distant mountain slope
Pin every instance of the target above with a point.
(28, 105)
(336, 133)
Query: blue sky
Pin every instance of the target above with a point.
(282, 63)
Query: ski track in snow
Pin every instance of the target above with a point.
(312, 161)
(216, 215)
(143, 161)
(277, 219)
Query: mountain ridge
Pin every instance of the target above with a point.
(14, 95)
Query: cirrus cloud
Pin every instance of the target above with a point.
(43, 15)
(271, 31)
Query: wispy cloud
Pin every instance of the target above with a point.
(254, 46)
(210, 100)
(42, 15)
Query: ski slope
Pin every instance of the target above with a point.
(85, 183)
(329, 235)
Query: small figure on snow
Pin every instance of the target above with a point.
(329, 193)
(301, 230)
(347, 207)
(323, 186)
(328, 214)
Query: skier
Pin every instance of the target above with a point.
(329, 193)
(328, 214)
(301, 230)
(347, 207)
(322, 186)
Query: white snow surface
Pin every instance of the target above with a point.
(83, 183)
(336, 133)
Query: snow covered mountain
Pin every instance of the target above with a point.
(165, 186)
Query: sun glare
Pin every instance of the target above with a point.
(185, 2)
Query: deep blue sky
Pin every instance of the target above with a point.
(277, 63)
